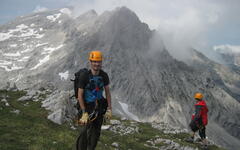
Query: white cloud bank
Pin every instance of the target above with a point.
(181, 24)
(229, 49)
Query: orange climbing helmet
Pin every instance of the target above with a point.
(198, 96)
(95, 56)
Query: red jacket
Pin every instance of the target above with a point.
(201, 111)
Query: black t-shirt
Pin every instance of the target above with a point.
(84, 79)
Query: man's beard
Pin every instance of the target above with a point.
(96, 68)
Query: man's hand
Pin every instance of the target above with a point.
(84, 119)
(201, 127)
(108, 114)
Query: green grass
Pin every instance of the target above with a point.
(31, 130)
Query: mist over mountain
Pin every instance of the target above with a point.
(45, 49)
(229, 54)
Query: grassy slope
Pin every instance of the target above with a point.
(30, 130)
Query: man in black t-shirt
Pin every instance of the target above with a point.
(90, 96)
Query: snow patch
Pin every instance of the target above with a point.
(17, 54)
(24, 59)
(30, 32)
(125, 109)
(120, 112)
(10, 68)
(18, 28)
(4, 62)
(14, 67)
(49, 50)
(27, 50)
(64, 75)
(25, 33)
(24, 30)
(41, 44)
(5, 36)
(54, 17)
(41, 62)
(13, 45)
(19, 77)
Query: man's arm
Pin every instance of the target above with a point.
(80, 99)
(108, 96)
(85, 118)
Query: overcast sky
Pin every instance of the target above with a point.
(203, 23)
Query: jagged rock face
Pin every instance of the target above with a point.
(45, 49)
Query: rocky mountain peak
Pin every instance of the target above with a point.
(123, 28)
(127, 19)
(125, 12)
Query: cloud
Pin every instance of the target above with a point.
(182, 33)
(180, 24)
(152, 11)
(40, 9)
(229, 49)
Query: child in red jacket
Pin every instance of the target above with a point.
(199, 119)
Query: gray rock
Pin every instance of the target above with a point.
(61, 107)
(105, 127)
(25, 98)
(5, 101)
(12, 87)
(115, 144)
(115, 122)
(16, 111)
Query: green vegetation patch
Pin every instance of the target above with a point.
(30, 129)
